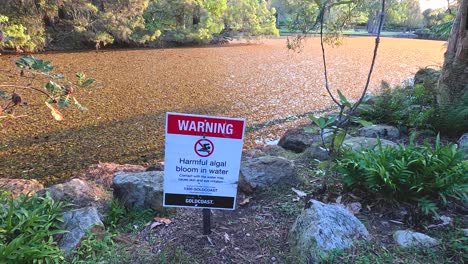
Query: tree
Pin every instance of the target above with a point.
(453, 82)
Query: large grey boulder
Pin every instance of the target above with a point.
(19, 186)
(463, 144)
(79, 193)
(143, 190)
(407, 238)
(321, 228)
(380, 131)
(265, 171)
(78, 222)
(359, 143)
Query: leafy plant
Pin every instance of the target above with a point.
(406, 107)
(452, 119)
(28, 225)
(96, 248)
(58, 90)
(421, 174)
(116, 213)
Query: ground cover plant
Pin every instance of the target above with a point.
(424, 175)
(28, 225)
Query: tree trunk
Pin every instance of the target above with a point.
(453, 81)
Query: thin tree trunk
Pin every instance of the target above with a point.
(453, 81)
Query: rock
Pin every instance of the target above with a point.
(103, 173)
(252, 153)
(465, 231)
(19, 186)
(316, 152)
(463, 144)
(274, 150)
(265, 171)
(359, 143)
(321, 228)
(143, 190)
(78, 222)
(428, 77)
(78, 192)
(156, 167)
(380, 131)
(298, 140)
(407, 238)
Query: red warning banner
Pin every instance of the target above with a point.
(205, 126)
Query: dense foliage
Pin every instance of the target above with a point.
(35, 25)
(422, 174)
(407, 107)
(414, 108)
(27, 229)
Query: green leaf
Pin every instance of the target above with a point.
(64, 101)
(5, 95)
(339, 139)
(331, 120)
(343, 99)
(80, 76)
(87, 83)
(31, 62)
(315, 120)
(53, 87)
(361, 121)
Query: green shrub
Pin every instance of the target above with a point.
(421, 174)
(452, 119)
(406, 107)
(27, 229)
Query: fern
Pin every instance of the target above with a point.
(425, 174)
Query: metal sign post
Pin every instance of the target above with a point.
(206, 221)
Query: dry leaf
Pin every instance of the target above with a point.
(155, 224)
(226, 238)
(299, 192)
(354, 208)
(338, 200)
(209, 240)
(162, 220)
(55, 112)
(245, 201)
(297, 199)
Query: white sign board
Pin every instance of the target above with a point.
(202, 161)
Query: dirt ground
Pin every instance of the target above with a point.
(259, 81)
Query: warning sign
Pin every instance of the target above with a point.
(202, 161)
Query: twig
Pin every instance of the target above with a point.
(322, 15)
(27, 88)
(377, 41)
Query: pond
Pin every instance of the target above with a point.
(260, 81)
